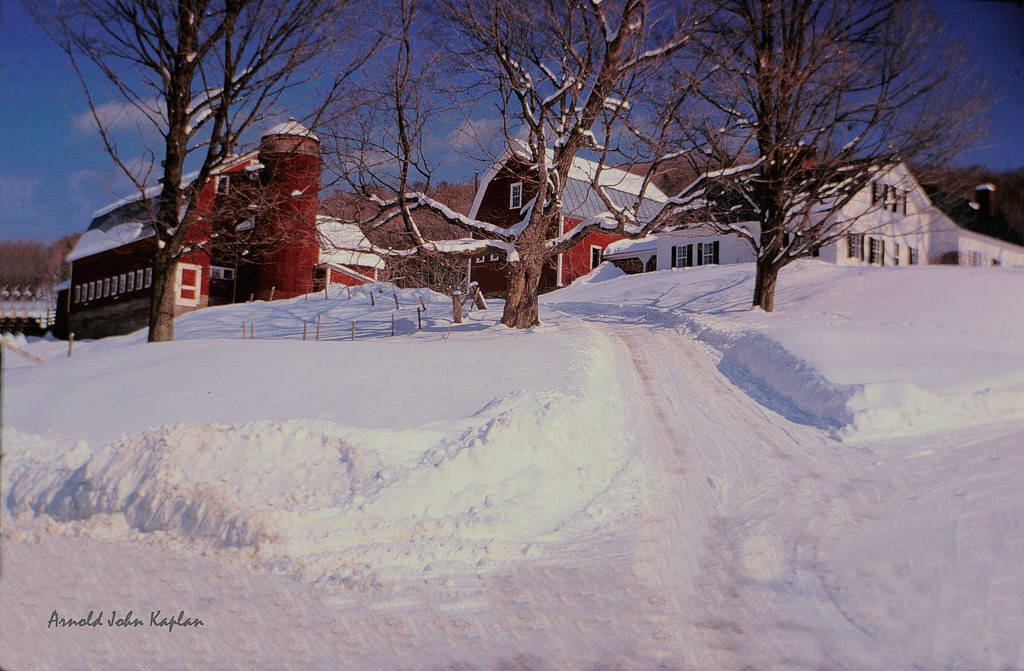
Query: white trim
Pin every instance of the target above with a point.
(178, 286)
(486, 181)
(512, 205)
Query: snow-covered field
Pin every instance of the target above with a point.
(658, 477)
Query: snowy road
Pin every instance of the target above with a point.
(759, 542)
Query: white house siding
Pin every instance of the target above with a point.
(976, 249)
(731, 248)
(923, 227)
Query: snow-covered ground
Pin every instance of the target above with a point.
(658, 477)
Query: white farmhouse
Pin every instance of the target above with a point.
(894, 221)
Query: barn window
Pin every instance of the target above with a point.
(78, 292)
(515, 196)
(138, 279)
(223, 184)
(131, 281)
(220, 273)
(188, 284)
(149, 278)
(122, 283)
(106, 287)
(595, 256)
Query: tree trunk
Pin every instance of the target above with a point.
(521, 308)
(161, 307)
(764, 284)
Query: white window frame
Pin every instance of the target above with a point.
(92, 291)
(149, 278)
(600, 255)
(78, 293)
(222, 273)
(122, 283)
(131, 282)
(138, 279)
(515, 196)
(106, 287)
(223, 184)
(179, 286)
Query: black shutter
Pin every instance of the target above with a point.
(881, 258)
(689, 255)
(700, 253)
(714, 251)
(674, 252)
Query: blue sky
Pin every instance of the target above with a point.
(54, 174)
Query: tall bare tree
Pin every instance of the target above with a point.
(567, 77)
(816, 95)
(197, 74)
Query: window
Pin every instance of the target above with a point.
(896, 254)
(481, 259)
(187, 284)
(92, 290)
(855, 246)
(707, 253)
(596, 254)
(682, 256)
(106, 287)
(876, 251)
(494, 257)
(122, 283)
(220, 273)
(78, 292)
(149, 278)
(912, 256)
(975, 258)
(131, 281)
(223, 184)
(515, 196)
(138, 279)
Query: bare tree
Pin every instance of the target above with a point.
(198, 74)
(566, 78)
(814, 96)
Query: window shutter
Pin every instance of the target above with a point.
(700, 253)
(674, 254)
(881, 256)
(714, 252)
(689, 255)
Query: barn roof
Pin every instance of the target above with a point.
(344, 244)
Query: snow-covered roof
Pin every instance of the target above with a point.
(291, 127)
(578, 200)
(100, 239)
(344, 244)
(630, 247)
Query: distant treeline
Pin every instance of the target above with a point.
(35, 263)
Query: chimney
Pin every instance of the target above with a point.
(985, 197)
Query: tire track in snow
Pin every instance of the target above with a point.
(737, 500)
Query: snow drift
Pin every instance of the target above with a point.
(857, 351)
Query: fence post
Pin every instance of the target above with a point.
(305, 326)
(243, 330)
(272, 293)
(373, 303)
(422, 304)
(252, 330)
(419, 318)
(392, 323)
(325, 291)
(71, 342)
(318, 327)
(397, 306)
(456, 307)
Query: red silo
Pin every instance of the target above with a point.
(290, 154)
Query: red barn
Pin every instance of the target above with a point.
(506, 191)
(111, 268)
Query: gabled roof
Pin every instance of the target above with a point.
(578, 199)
